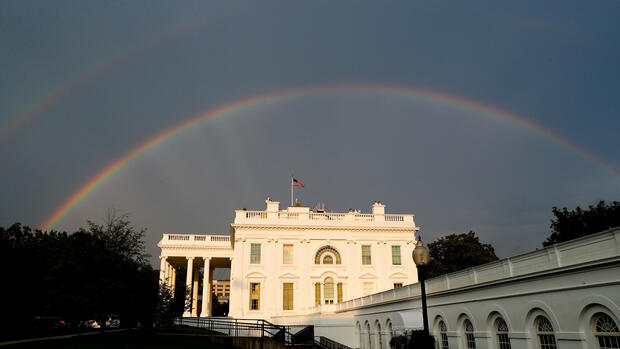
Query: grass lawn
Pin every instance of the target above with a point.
(138, 338)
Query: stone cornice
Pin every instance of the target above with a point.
(599, 264)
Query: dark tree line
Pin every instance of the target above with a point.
(90, 274)
(457, 251)
(568, 225)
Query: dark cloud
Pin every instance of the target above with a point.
(556, 64)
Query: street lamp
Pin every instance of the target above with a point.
(421, 258)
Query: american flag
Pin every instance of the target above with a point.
(297, 183)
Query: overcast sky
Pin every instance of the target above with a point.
(84, 82)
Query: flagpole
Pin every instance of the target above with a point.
(291, 190)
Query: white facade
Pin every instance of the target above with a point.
(310, 241)
(309, 238)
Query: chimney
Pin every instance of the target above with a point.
(378, 208)
(272, 206)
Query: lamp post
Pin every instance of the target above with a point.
(421, 258)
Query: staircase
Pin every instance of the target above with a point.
(277, 336)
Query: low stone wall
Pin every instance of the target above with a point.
(247, 342)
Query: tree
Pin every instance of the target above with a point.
(119, 236)
(89, 274)
(568, 225)
(457, 251)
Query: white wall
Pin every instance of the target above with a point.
(586, 282)
(308, 232)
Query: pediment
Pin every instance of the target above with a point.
(398, 276)
(288, 276)
(368, 276)
(255, 275)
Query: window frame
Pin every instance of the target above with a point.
(291, 255)
(252, 293)
(369, 256)
(610, 339)
(291, 291)
(469, 337)
(329, 288)
(399, 255)
(501, 333)
(545, 339)
(255, 258)
(325, 256)
(318, 256)
(443, 335)
(340, 292)
(317, 293)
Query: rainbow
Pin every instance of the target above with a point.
(244, 104)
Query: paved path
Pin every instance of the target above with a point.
(59, 337)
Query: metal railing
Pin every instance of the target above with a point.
(328, 343)
(288, 335)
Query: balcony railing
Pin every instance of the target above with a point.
(193, 238)
(321, 218)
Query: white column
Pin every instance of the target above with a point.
(188, 284)
(173, 278)
(206, 289)
(162, 270)
(195, 295)
(168, 273)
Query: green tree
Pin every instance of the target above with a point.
(89, 274)
(568, 225)
(119, 236)
(457, 251)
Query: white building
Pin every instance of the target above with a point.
(296, 261)
(562, 296)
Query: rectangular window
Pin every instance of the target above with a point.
(317, 293)
(340, 292)
(398, 285)
(395, 255)
(366, 254)
(254, 296)
(255, 254)
(329, 291)
(287, 295)
(368, 288)
(287, 254)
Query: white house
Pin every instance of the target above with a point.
(296, 261)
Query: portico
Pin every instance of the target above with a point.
(198, 255)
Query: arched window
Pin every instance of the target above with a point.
(443, 334)
(360, 334)
(328, 290)
(470, 340)
(379, 340)
(605, 331)
(328, 259)
(388, 330)
(501, 328)
(544, 331)
(328, 250)
(368, 341)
